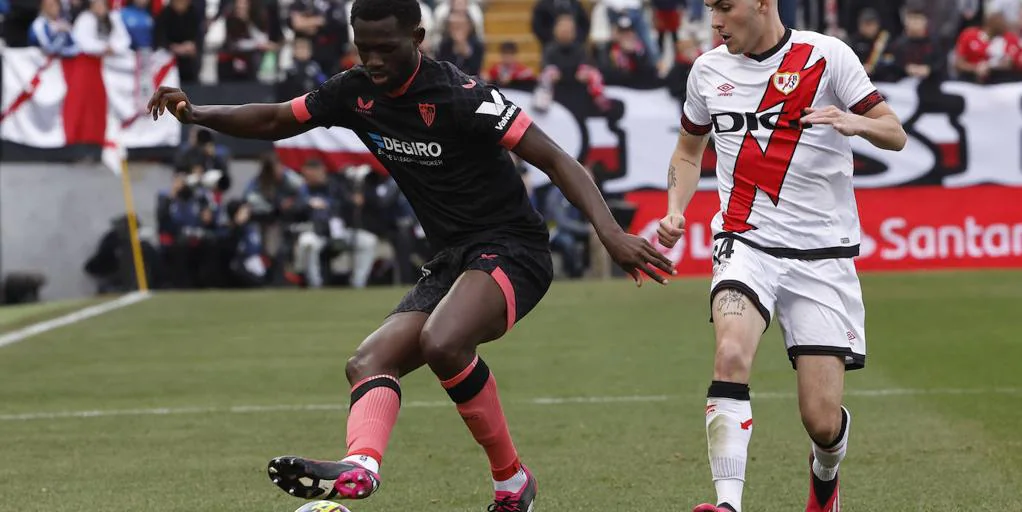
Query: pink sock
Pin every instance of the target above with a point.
(474, 390)
(375, 402)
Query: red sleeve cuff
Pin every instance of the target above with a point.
(516, 131)
(300, 110)
(694, 129)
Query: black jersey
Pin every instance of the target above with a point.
(444, 137)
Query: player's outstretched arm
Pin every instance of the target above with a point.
(682, 180)
(633, 253)
(879, 125)
(265, 121)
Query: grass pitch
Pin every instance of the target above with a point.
(603, 386)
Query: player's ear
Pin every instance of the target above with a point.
(419, 35)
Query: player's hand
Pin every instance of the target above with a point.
(845, 123)
(671, 228)
(173, 99)
(637, 256)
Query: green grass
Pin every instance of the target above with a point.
(939, 451)
(20, 315)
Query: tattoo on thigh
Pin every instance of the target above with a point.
(730, 303)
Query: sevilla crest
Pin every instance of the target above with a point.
(786, 82)
(428, 113)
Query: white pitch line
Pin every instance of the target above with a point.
(73, 317)
(250, 409)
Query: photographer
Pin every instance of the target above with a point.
(241, 248)
(212, 162)
(277, 197)
(186, 219)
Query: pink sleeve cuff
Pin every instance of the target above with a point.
(300, 110)
(516, 131)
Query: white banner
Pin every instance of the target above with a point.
(947, 145)
(51, 102)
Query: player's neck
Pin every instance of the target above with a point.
(771, 37)
(407, 73)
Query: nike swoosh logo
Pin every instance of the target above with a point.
(747, 424)
(471, 83)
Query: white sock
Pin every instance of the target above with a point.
(513, 484)
(365, 461)
(827, 459)
(728, 432)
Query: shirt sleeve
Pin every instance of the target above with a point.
(330, 104)
(851, 83)
(488, 116)
(695, 116)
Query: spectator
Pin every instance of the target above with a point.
(139, 23)
(240, 41)
(324, 22)
(265, 12)
(358, 213)
(842, 17)
(242, 248)
(569, 232)
(567, 72)
(988, 54)
(944, 18)
(208, 161)
(1012, 10)
(667, 21)
(509, 70)
(304, 75)
(917, 52)
(460, 46)
(98, 31)
(546, 13)
(277, 197)
(51, 31)
(321, 212)
(469, 8)
(186, 218)
(177, 29)
(870, 42)
(685, 54)
(633, 10)
(626, 61)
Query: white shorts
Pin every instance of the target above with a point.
(818, 302)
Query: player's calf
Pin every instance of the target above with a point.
(728, 432)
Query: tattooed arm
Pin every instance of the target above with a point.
(682, 179)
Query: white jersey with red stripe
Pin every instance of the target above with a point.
(785, 188)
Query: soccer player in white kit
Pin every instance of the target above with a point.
(780, 105)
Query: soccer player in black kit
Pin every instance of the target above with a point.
(444, 137)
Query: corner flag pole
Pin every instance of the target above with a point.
(136, 245)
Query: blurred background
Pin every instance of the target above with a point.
(606, 78)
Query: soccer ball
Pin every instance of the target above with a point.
(322, 506)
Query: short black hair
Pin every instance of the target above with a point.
(407, 12)
(509, 47)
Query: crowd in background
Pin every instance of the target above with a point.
(318, 226)
(633, 42)
(308, 227)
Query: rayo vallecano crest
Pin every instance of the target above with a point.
(786, 82)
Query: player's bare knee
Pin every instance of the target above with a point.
(358, 367)
(732, 361)
(438, 347)
(822, 420)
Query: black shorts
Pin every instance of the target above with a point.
(523, 272)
